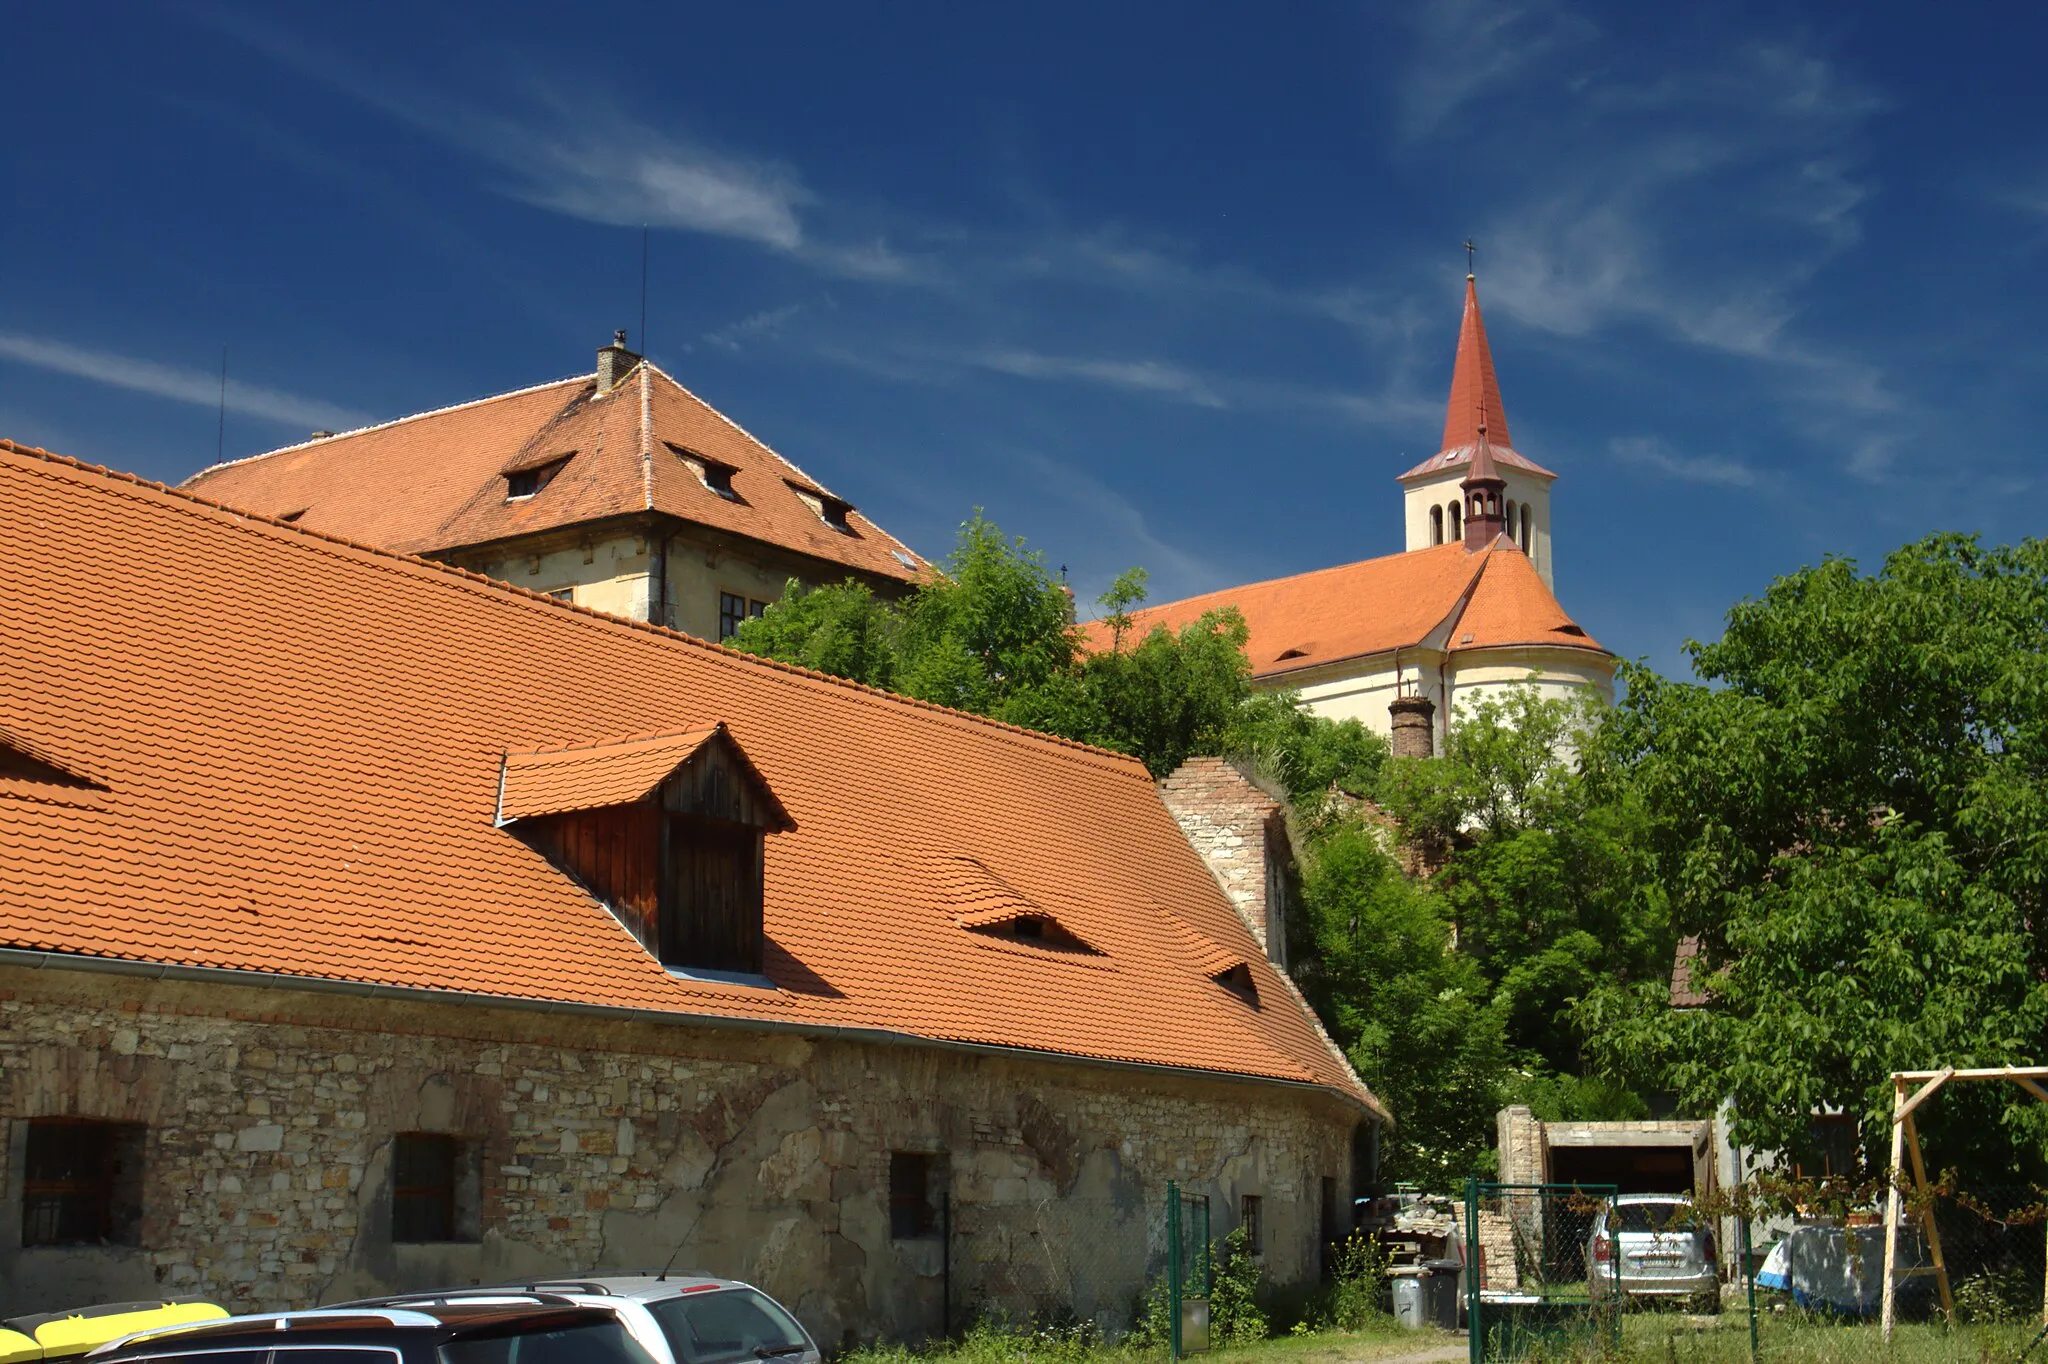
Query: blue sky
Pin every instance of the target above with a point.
(1169, 284)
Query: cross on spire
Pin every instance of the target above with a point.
(1470, 252)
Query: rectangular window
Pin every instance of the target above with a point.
(917, 1192)
(82, 1183)
(433, 1188)
(1251, 1217)
(732, 610)
(1834, 1148)
(567, 594)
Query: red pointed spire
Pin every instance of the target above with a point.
(1475, 393)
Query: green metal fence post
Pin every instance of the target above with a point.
(1173, 1267)
(1749, 1279)
(1475, 1330)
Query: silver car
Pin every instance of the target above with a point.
(676, 1318)
(1653, 1246)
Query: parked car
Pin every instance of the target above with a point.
(676, 1318)
(552, 1331)
(59, 1335)
(1653, 1246)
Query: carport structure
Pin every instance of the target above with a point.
(1906, 1144)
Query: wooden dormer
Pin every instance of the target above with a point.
(668, 831)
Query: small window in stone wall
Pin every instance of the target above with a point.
(434, 1188)
(82, 1183)
(1251, 1216)
(917, 1195)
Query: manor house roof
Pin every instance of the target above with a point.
(438, 481)
(1486, 599)
(241, 745)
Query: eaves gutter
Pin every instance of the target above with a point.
(409, 994)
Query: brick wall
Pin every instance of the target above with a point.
(1240, 831)
(270, 1116)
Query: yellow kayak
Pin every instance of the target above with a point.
(56, 1335)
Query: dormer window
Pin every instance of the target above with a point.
(1237, 978)
(713, 474)
(994, 909)
(668, 832)
(522, 483)
(831, 510)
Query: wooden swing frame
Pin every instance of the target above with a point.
(1906, 1144)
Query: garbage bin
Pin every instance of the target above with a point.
(1440, 1294)
(1411, 1290)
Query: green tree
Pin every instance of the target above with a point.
(1850, 811)
(1416, 1019)
(843, 629)
(1542, 878)
(994, 634)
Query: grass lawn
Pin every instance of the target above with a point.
(1386, 1342)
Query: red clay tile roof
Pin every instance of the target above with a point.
(1512, 605)
(1474, 401)
(1379, 605)
(589, 776)
(301, 741)
(435, 482)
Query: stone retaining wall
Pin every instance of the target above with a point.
(270, 1115)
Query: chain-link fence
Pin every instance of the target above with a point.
(1543, 1269)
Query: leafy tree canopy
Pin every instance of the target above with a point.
(1850, 811)
(993, 634)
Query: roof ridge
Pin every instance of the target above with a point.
(646, 436)
(1150, 608)
(777, 455)
(469, 576)
(374, 426)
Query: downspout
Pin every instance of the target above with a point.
(657, 592)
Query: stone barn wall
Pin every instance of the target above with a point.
(268, 1117)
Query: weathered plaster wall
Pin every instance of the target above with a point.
(615, 1144)
(1362, 690)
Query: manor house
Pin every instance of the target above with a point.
(1399, 642)
(619, 490)
(368, 924)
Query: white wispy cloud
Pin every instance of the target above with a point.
(1141, 376)
(1465, 49)
(1653, 453)
(760, 326)
(177, 383)
(609, 169)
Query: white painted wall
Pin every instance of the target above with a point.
(1442, 490)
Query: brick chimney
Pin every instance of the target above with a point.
(1414, 725)
(614, 362)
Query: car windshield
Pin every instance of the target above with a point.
(603, 1342)
(730, 1324)
(1655, 1217)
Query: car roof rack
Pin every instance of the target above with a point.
(448, 1297)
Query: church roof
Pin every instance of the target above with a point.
(1480, 599)
(438, 481)
(296, 747)
(1474, 402)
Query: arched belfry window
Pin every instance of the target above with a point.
(1436, 525)
(1511, 518)
(1456, 532)
(1525, 528)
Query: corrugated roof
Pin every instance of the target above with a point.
(436, 482)
(301, 741)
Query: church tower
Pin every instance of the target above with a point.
(1478, 465)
